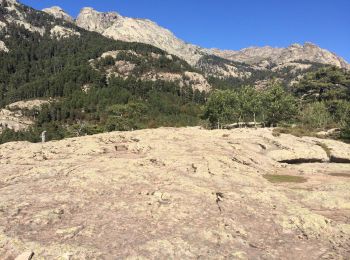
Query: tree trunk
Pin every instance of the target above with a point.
(254, 121)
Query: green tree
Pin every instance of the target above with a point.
(222, 108)
(250, 103)
(278, 105)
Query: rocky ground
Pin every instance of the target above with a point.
(176, 194)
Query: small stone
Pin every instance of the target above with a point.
(121, 148)
(28, 255)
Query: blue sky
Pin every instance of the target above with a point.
(235, 24)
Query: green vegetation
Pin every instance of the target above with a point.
(325, 99)
(284, 178)
(320, 101)
(325, 84)
(247, 104)
(346, 128)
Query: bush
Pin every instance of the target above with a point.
(345, 134)
(316, 115)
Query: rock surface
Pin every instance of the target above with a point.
(122, 28)
(13, 116)
(14, 120)
(59, 13)
(63, 32)
(260, 55)
(172, 194)
(3, 47)
(25, 256)
(27, 104)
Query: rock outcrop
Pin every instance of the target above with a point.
(27, 104)
(175, 194)
(13, 116)
(3, 47)
(14, 120)
(122, 28)
(268, 55)
(2, 25)
(63, 32)
(59, 13)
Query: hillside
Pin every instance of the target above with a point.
(176, 193)
(45, 57)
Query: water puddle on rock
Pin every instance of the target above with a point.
(284, 178)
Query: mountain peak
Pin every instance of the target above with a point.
(88, 10)
(310, 44)
(59, 13)
(296, 46)
(92, 20)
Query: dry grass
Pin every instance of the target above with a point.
(296, 131)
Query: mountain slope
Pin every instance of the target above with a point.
(115, 26)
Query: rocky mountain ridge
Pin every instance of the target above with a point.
(116, 26)
(266, 56)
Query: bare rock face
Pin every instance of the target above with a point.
(260, 55)
(172, 193)
(3, 47)
(59, 13)
(12, 117)
(2, 25)
(14, 120)
(63, 32)
(115, 26)
(92, 20)
(27, 104)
